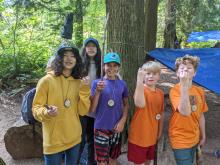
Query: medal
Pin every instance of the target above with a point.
(111, 97)
(111, 103)
(67, 103)
(193, 102)
(194, 108)
(158, 116)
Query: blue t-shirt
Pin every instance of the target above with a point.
(107, 117)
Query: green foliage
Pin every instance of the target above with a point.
(208, 44)
(30, 30)
(30, 33)
(27, 43)
(160, 23)
(191, 15)
(197, 15)
(94, 20)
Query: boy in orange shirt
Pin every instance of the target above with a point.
(187, 123)
(147, 122)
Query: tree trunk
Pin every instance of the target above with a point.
(78, 30)
(67, 30)
(150, 30)
(125, 35)
(16, 66)
(170, 25)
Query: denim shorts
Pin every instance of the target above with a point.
(70, 157)
(185, 156)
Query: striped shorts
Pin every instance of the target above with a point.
(107, 145)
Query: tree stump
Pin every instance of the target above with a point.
(22, 141)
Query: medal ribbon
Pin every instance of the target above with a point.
(65, 100)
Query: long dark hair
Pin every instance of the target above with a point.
(86, 61)
(58, 64)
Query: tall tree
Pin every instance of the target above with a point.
(68, 27)
(78, 31)
(125, 35)
(170, 24)
(150, 30)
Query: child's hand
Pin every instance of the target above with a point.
(158, 137)
(184, 78)
(52, 111)
(85, 80)
(140, 75)
(119, 127)
(100, 86)
(202, 142)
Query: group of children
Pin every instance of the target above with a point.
(77, 105)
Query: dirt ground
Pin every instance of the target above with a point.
(10, 113)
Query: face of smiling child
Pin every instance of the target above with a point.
(111, 70)
(151, 78)
(91, 49)
(69, 60)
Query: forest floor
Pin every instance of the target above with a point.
(10, 113)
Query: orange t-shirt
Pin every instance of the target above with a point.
(144, 126)
(184, 131)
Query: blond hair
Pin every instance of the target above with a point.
(152, 66)
(194, 60)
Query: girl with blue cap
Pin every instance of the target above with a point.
(91, 57)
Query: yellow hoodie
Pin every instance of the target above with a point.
(64, 130)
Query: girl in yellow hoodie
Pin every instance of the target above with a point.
(60, 98)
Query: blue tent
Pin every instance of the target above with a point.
(208, 73)
(204, 36)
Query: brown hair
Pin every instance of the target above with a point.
(194, 60)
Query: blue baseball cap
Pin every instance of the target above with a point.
(93, 40)
(112, 57)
